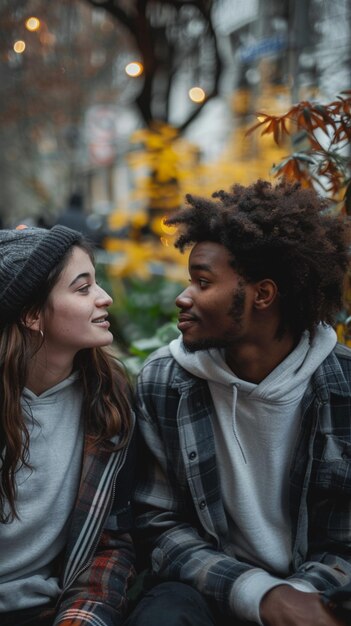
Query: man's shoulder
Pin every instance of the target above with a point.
(342, 352)
(343, 355)
(163, 354)
(337, 365)
(162, 368)
(159, 360)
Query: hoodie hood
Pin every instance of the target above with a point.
(280, 384)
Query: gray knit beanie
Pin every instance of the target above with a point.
(26, 258)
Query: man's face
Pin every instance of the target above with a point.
(214, 308)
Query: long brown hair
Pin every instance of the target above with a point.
(106, 391)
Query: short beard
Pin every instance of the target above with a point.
(236, 312)
(237, 307)
(205, 344)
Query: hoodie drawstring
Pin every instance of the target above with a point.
(235, 395)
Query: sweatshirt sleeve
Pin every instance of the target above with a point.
(249, 589)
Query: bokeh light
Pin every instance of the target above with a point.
(19, 46)
(196, 94)
(32, 24)
(134, 69)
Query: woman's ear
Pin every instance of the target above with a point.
(32, 321)
(266, 293)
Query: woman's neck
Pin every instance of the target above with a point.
(44, 373)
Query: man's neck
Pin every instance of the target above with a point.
(253, 362)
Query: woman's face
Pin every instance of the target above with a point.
(75, 316)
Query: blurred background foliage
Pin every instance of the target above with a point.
(143, 316)
(131, 104)
(320, 138)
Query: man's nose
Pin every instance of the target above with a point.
(184, 300)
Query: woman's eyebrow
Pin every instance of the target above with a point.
(83, 275)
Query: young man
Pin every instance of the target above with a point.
(245, 497)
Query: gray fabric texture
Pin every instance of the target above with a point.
(26, 258)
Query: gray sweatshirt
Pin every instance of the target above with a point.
(255, 431)
(45, 498)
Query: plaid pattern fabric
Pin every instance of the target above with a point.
(99, 561)
(180, 514)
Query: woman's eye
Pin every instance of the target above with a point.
(84, 289)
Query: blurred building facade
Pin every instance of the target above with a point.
(275, 53)
(272, 53)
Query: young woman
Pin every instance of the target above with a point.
(66, 438)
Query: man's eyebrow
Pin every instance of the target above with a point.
(83, 275)
(204, 267)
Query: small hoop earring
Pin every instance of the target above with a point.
(41, 333)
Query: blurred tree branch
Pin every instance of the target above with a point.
(323, 133)
(166, 44)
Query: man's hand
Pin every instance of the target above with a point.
(285, 606)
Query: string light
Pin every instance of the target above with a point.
(19, 46)
(134, 69)
(196, 94)
(32, 24)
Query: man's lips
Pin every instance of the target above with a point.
(185, 320)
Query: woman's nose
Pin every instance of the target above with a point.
(104, 298)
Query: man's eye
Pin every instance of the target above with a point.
(200, 281)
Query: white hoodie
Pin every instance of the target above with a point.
(255, 430)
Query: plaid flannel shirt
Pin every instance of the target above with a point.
(180, 513)
(98, 564)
